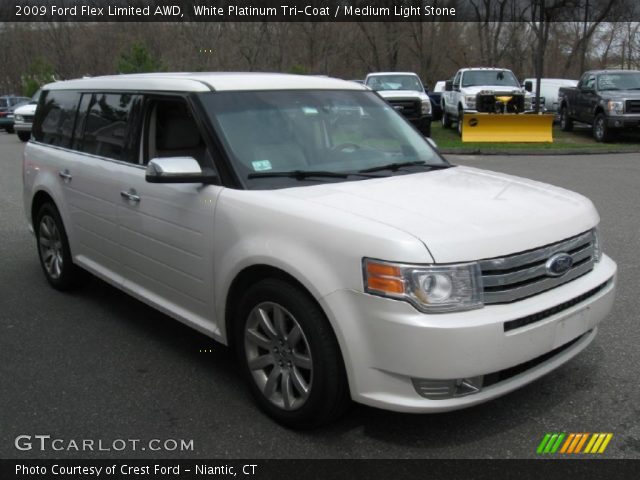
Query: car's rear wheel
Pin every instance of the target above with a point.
(24, 136)
(53, 249)
(290, 356)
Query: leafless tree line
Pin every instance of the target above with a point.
(348, 50)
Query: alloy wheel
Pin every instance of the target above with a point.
(278, 355)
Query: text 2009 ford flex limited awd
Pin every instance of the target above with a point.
(307, 224)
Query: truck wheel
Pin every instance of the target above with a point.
(446, 119)
(24, 136)
(566, 123)
(289, 355)
(601, 132)
(460, 121)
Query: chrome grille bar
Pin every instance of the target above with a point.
(522, 275)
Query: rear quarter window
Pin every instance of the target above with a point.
(55, 117)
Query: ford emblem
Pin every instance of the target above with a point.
(559, 264)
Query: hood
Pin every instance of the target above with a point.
(496, 88)
(29, 109)
(391, 94)
(462, 213)
(620, 94)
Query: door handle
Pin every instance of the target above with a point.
(65, 175)
(131, 196)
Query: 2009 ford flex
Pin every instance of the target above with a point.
(307, 224)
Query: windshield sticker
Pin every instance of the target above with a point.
(261, 165)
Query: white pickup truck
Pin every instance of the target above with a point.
(475, 90)
(406, 94)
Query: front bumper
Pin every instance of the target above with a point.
(623, 121)
(387, 344)
(423, 124)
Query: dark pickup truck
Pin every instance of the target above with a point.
(609, 100)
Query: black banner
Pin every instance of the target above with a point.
(545, 469)
(318, 10)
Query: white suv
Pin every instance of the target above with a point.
(302, 221)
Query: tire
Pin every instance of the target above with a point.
(24, 136)
(446, 119)
(9, 129)
(53, 249)
(601, 131)
(310, 365)
(460, 121)
(566, 123)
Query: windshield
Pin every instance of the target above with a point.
(619, 81)
(395, 82)
(328, 131)
(489, 77)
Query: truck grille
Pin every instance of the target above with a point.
(632, 106)
(28, 118)
(410, 108)
(514, 277)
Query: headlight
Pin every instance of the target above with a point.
(18, 118)
(470, 100)
(429, 288)
(615, 107)
(597, 245)
(426, 107)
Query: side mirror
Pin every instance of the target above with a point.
(528, 86)
(177, 170)
(448, 86)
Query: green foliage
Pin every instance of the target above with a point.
(298, 69)
(38, 73)
(138, 59)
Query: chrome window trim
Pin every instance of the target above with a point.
(90, 155)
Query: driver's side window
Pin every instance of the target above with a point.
(171, 131)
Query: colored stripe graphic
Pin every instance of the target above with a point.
(573, 443)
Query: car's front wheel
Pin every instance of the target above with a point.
(566, 123)
(53, 248)
(24, 136)
(601, 131)
(289, 355)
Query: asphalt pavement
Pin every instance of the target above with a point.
(98, 365)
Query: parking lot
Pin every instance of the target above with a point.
(97, 364)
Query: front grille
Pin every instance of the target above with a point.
(518, 276)
(536, 317)
(487, 103)
(410, 108)
(28, 118)
(632, 106)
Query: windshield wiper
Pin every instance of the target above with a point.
(396, 166)
(304, 174)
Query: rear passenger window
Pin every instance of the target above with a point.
(111, 126)
(55, 117)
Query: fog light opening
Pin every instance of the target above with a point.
(443, 389)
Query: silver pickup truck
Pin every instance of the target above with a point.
(609, 100)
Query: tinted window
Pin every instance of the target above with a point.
(111, 126)
(55, 117)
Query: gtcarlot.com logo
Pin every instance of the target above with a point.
(45, 443)
(574, 443)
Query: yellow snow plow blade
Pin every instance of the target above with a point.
(507, 127)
